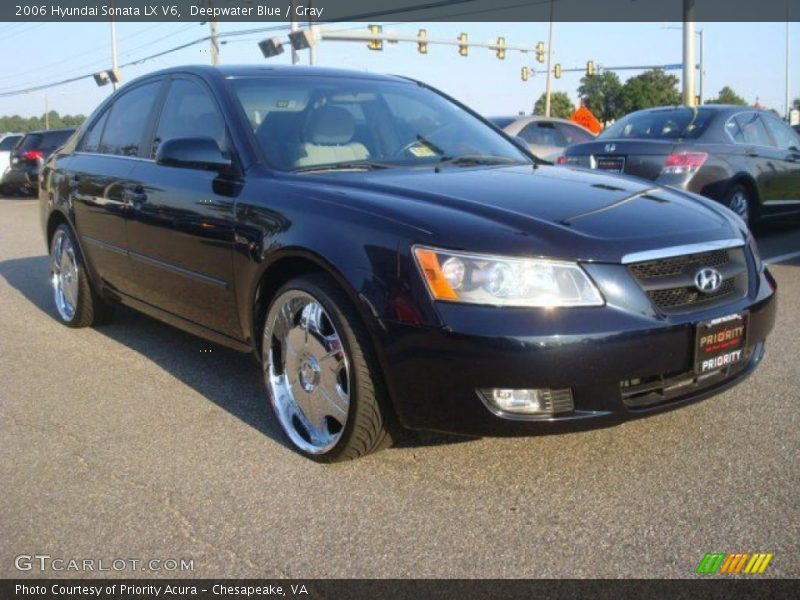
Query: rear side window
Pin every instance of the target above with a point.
(752, 129)
(91, 142)
(543, 134)
(682, 123)
(9, 142)
(189, 111)
(127, 121)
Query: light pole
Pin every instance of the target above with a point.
(293, 28)
(788, 106)
(700, 61)
(688, 52)
(113, 50)
(549, 60)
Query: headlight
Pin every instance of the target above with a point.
(501, 281)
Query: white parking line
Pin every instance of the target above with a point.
(781, 258)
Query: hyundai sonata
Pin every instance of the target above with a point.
(394, 260)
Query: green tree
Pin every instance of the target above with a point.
(727, 96)
(20, 124)
(648, 89)
(602, 94)
(560, 105)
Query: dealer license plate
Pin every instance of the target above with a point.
(720, 343)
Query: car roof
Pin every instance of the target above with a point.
(232, 71)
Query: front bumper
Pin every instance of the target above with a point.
(433, 374)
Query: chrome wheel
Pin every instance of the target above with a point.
(306, 371)
(64, 275)
(740, 204)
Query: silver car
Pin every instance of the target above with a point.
(547, 137)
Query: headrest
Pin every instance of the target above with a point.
(330, 126)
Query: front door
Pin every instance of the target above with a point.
(180, 233)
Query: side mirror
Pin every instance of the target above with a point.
(193, 153)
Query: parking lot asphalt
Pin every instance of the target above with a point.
(136, 440)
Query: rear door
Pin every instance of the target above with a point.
(786, 196)
(181, 232)
(100, 186)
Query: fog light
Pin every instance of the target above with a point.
(536, 402)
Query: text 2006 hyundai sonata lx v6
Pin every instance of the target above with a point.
(396, 261)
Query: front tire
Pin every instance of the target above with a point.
(77, 304)
(322, 378)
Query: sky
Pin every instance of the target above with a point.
(749, 57)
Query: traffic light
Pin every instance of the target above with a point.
(501, 48)
(422, 47)
(525, 73)
(540, 52)
(463, 48)
(590, 67)
(557, 71)
(375, 44)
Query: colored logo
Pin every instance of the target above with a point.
(741, 562)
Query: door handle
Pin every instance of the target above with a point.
(135, 197)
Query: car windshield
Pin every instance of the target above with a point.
(666, 124)
(320, 123)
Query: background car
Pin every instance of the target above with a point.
(796, 127)
(547, 137)
(7, 143)
(748, 159)
(27, 155)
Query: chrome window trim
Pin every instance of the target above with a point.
(686, 249)
(122, 156)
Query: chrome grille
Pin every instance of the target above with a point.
(669, 282)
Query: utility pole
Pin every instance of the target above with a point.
(700, 89)
(549, 60)
(788, 99)
(214, 39)
(689, 63)
(46, 112)
(293, 28)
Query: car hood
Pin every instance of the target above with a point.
(545, 211)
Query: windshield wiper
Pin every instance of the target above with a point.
(477, 159)
(366, 165)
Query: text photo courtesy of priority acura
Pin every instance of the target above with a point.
(367, 237)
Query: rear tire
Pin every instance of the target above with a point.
(77, 303)
(740, 200)
(321, 373)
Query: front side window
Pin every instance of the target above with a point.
(781, 133)
(317, 121)
(189, 111)
(127, 121)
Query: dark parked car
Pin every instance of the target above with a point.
(747, 159)
(394, 260)
(27, 155)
